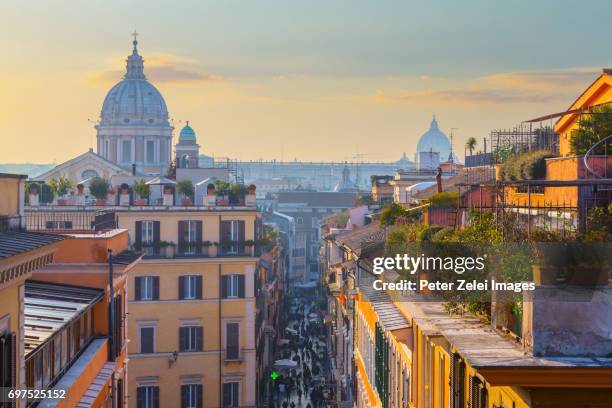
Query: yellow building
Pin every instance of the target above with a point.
(192, 307)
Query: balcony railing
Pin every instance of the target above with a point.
(208, 250)
(70, 221)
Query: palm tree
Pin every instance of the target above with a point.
(471, 144)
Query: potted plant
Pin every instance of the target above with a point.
(143, 190)
(222, 191)
(59, 187)
(237, 193)
(33, 191)
(99, 189)
(185, 187)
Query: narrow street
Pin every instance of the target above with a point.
(302, 363)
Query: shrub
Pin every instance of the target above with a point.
(141, 188)
(445, 199)
(185, 187)
(526, 166)
(60, 186)
(222, 188)
(592, 129)
(98, 187)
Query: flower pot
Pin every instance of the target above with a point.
(140, 201)
(185, 202)
(62, 201)
(223, 201)
(100, 201)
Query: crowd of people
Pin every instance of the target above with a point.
(304, 384)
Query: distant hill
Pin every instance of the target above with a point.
(31, 169)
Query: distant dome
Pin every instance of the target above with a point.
(434, 140)
(346, 185)
(134, 100)
(187, 134)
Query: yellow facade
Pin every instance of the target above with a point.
(167, 367)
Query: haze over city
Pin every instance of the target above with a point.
(279, 80)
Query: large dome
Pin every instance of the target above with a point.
(134, 100)
(434, 141)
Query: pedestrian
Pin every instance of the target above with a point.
(299, 393)
(292, 405)
(285, 404)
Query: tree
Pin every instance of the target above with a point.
(60, 186)
(141, 188)
(185, 187)
(471, 144)
(98, 187)
(171, 174)
(593, 127)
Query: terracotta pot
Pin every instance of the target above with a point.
(140, 201)
(100, 201)
(62, 201)
(186, 202)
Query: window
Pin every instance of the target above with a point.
(147, 339)
(190, 287)
(231, 394)
(87, 174)
(191, 338)
(232, 236)
(190, 237)
(299, 221)
(191, 396)
(147, 234)
(150, 151)
(232, 286)
(299, 252)
(147, 397)
(232, 341)
(8, 362)
(126, 151)
(147, 287)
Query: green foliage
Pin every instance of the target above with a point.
(98, 187)
(32, 187)
(60, 186)
(141, 188)
(593, 128)
(471, 144)
(526, 166)
(185, 187)
(237, 191)
(222, 188)
(599, 224)
(394, 212)
(445, 199)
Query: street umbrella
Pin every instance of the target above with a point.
(285, 364)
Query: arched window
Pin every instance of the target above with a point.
(88, 174)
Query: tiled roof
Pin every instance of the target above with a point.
(362, 238)
(16, 242)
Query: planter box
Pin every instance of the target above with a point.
(140, 201)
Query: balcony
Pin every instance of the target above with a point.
(170, 250)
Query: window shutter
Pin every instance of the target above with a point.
(452, 381)
(155, 287)
(183, 333)
(137, 288)
(155, 397)
(241, 231)
(182, 231)
(232, 333)
(199, 338)
(184, 396)
(226, 394)
(156, 232)
(138, 234)
(198, 287)
(140, 398)
(198, 236)
(118, 335)
(181, 284)
(224, 282)
(241, 286)
(199, 396)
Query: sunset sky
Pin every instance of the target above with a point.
(312, 80)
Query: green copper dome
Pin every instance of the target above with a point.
(187, 133)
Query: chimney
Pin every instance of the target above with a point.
(439, 179)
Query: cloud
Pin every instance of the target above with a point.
(504, 88)
(162, 68)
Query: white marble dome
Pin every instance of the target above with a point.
(134, 100)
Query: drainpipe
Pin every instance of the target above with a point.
(111, 309)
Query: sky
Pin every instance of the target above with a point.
(307, 80)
